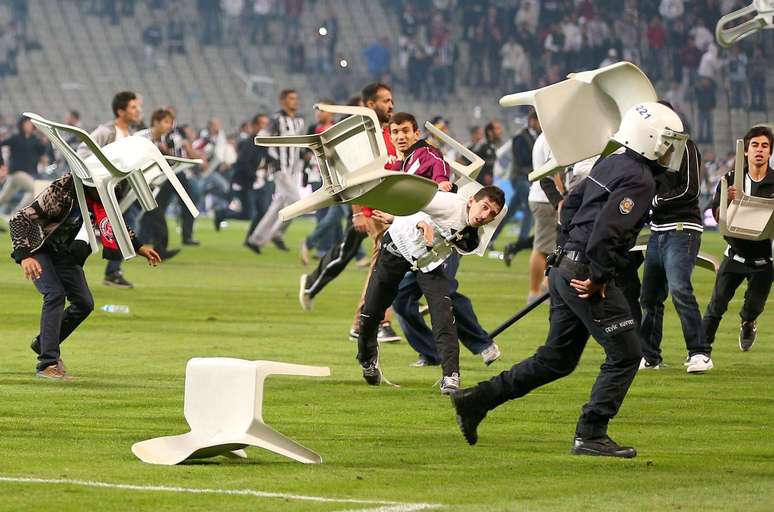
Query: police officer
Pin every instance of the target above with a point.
(600, 220)
(745, 259)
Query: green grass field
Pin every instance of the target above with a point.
(706, 442)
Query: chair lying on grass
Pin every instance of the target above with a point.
(224, 409)
(124, 159)
(579, 115)
(747, 216)
(351, 155)
(763, 17)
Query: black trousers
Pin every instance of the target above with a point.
(381, 291)
(335, 260)
(730, 275)
(166, 192)
(60, 280)
(572, 320)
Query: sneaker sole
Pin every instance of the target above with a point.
(301, 294)
(391, 339)
(702, 370)
(116, 285)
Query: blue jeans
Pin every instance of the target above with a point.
(419, 335)
(328, 230)
(669, 263)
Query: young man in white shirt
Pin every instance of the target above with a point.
(421, 243)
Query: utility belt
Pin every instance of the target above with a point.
(574, 262)
(751, 262)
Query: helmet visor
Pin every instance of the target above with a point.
(673, 157)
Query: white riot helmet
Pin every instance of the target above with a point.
(654, 131)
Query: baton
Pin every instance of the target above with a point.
(520, 314)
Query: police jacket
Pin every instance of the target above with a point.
(603, 215)
(748, 249)
(676, 203)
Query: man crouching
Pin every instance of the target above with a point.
(47, 246)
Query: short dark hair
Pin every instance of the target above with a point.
(121, 101)
(404, 117)
(75, 114)
(159, 115)
(284, 93)
(256, 117)
(355, 101)
(757, 131)
(494, 194)
(370, 91)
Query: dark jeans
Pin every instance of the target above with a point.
(335, 261)
(669, 263)
(572, 320)
(261, 198)
(518, 203)
(327, 232)
(419, 336)
(730, 275)
(166, 194)
(59, 281)
(381, 292)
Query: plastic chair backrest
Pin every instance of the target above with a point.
(220, 395)
(579, 115)
(748, 217)
(467, 171)
(763, 18)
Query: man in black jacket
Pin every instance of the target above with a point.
(675, 236)
(600, 220)
(745, 259)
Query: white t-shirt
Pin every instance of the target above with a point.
(541, 153)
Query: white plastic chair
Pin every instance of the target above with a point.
(467, 186)
(747, 216)
(124, 159)
(763, 11)
(224, 409)
(156, 178)
(351, 155)
(580, 114)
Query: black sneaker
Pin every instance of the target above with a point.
(511, 250)
(469, 413)
(387, 334)
(117, 281)
(168, 255)
(191, 241)
(601, 446)
(280, 244)
(255, 248)
(35, 345)
(747, 334)
(371, 373)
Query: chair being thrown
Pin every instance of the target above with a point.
(747, 216)
(579, 115)
(107, 166)
(224, 409)
(351, 155)
(763, 17)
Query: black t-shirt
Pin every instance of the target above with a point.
(57, 245)
(24, 153)
(749, 249)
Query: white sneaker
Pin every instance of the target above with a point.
(306, 301)
(491, 354)
(450, 383)
(699, 363)
(645, 365)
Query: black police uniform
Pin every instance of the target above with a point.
(744, 259)
(599, 224)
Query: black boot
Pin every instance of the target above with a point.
(469, 411)
(511, 250)
(602, 446)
